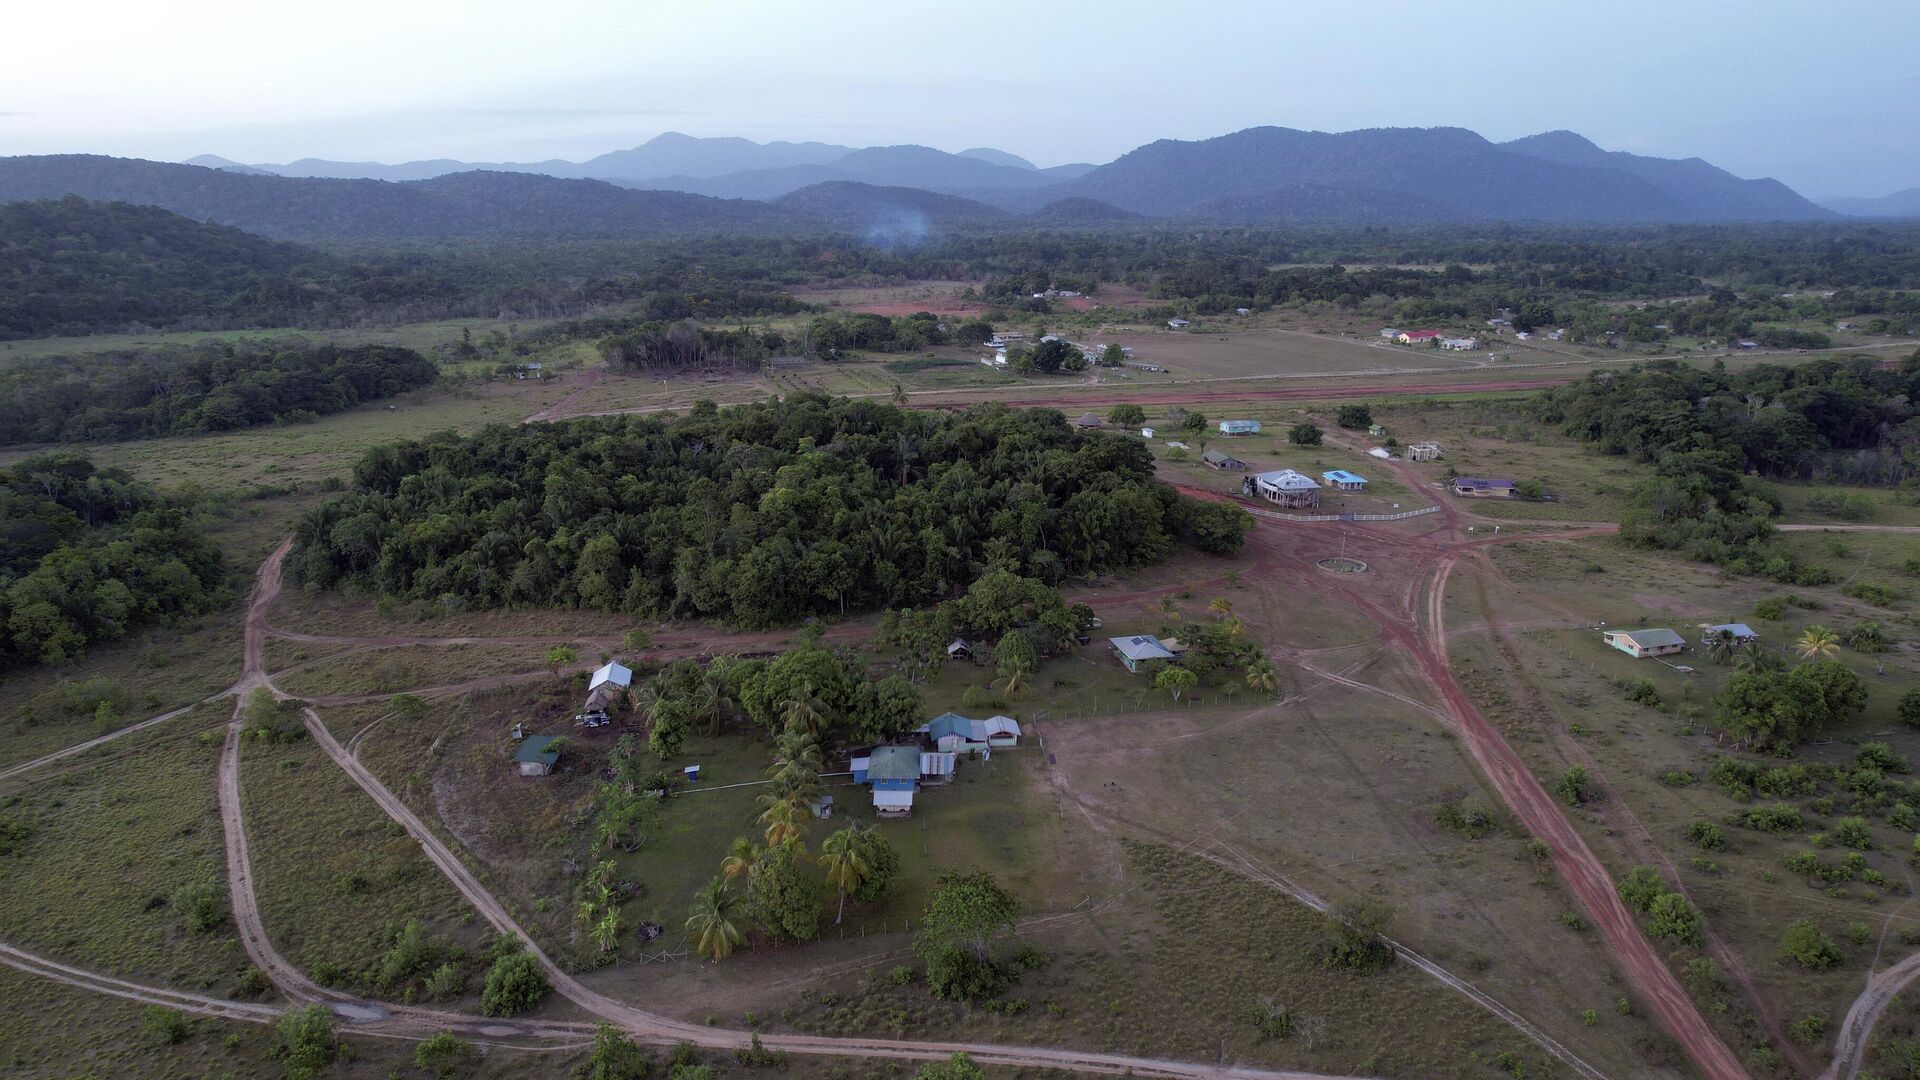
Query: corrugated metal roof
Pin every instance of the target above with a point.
(615, 673)
(894, 763)
(534, 748)
(1141, 647)
(1651, 639)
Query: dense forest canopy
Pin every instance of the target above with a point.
(89, 555)
(190, 390)
(758, 515)
(1707, 433)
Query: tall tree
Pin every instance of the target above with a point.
(714, 922)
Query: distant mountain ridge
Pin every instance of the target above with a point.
(1900, 204)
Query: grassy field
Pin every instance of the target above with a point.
(336, 879)
(108, 852)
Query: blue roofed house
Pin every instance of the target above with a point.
(950, 732)
(1239, 427)
(1139, 649)
(536, 756)
(1740, 632)
(894, 774)
(1343, 480)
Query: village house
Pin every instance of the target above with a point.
(1417, 337)
(1389, 333)
(1424, 451)
(1556, 335)
(1285, 487)
(1482, 487)
(1178, 324)
(535, 758)
(1740, 632)
(894, 774)
(1214, 459)
(952, 733)
(1460, 344)
(1644, 643)
(1239, 427)
(1138, 650)
(1378, 431)
(614, 674)
(1343, 480)
(1242, 311)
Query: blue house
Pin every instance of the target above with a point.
(894, 773)
(1239, 427)
(950, 732)
(1343, 480)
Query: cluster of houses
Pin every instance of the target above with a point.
(1661, 641)
(896, 771)
(1430, 338)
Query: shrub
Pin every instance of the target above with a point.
(1878, 755)
(1642, 692)
(1305, 435)
(1641, 887)
(1734, 777)
(1853, 832)
(204, 906)
(1706, 834)
(1355, 936)
(1785, 782)
(308, 1040)
(1355, 416)
(164, 1025)
(1574, 787)
(1776, 817)
(1679, 778)
(1902, 816)
(447, 981)
(514, 984)
(1673, 919)
(1809, 1030)
(1772, 608)
(1806, 945)
(1463, 819)
(443, 1054)
(1877, 595)
(1805, 863)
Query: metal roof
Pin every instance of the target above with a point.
(616, 673)
(534, 748)
(894, 763)
(1651, 639)
(1737, 629)
(1481, 483)
(1342, 476)
(1287, 480)
(1141, 647)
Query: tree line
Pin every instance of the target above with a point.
(756, 515)
(90, 555)
(1711, 434)
(186, 390)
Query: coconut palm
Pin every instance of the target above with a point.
(714, 921)
(804, 712)
(1752, 659)
(1015, 678)
(606, 932)
(1817, 643)
(1722, 647)
(783, 817)
(843, 855)
(739, 859)
(712, 702)
(899, 394)
(1262, 675)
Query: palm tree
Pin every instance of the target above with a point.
(1722, 646)
(739, 859)
(1262, 675)
(645, 701)
(712, 702)
(804, 712)
(606, 932)
(899, 394)
(715, 932)
(782, 817)
(1817, 643)
(1015, 679)
(1752, 659)
(843, 854)
(1233, 625)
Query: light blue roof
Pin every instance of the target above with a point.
(1342, 476)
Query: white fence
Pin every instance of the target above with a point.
(1278, 516)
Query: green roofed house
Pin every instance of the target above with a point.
(1643, 643)
(534, 758)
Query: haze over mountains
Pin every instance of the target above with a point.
(681, 183)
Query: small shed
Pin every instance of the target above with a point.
(1239, 427)
(959, 649)
(1214, 459)
(1146, 433)
(1643, 643)
(1139, 649)
(1343, 480)
(534, 758)
(1378, 431)
(616, 674)
(1738, 631)
(1424, 451)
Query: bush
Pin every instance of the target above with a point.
(1877, 595)
(1356, 936)
(1809, 1030)
(1773, 608)
(1679, 778)
(1806, 945)
(447, 981)
(164, 1025)
(1355, 416)
(1641, 887)
(1707, 835)
(961, 975)
(1305, 435)
(1878, 755)
(1642, 692)
(1574, 786)
(1463, 819)
(204, 906)
(443, 1054)
(1673, 919)
(1777, 817)
(308, 1040)
(514, 984)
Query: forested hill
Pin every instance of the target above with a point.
(69, 266)
(757, 515)
(474, 204)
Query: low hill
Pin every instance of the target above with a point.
(1083, 213)
(1323, 202)
(475, 204)
(1451, 168)
(880, 166)
(1705, 192)
(896, 213)
(1899, 204)
(73, 267)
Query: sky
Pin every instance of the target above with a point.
(1825, 97)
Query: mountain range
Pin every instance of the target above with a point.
(681, 183)
(1900, 204)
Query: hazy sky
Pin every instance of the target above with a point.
(1825, 96)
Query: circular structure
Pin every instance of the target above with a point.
(1342, 565)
